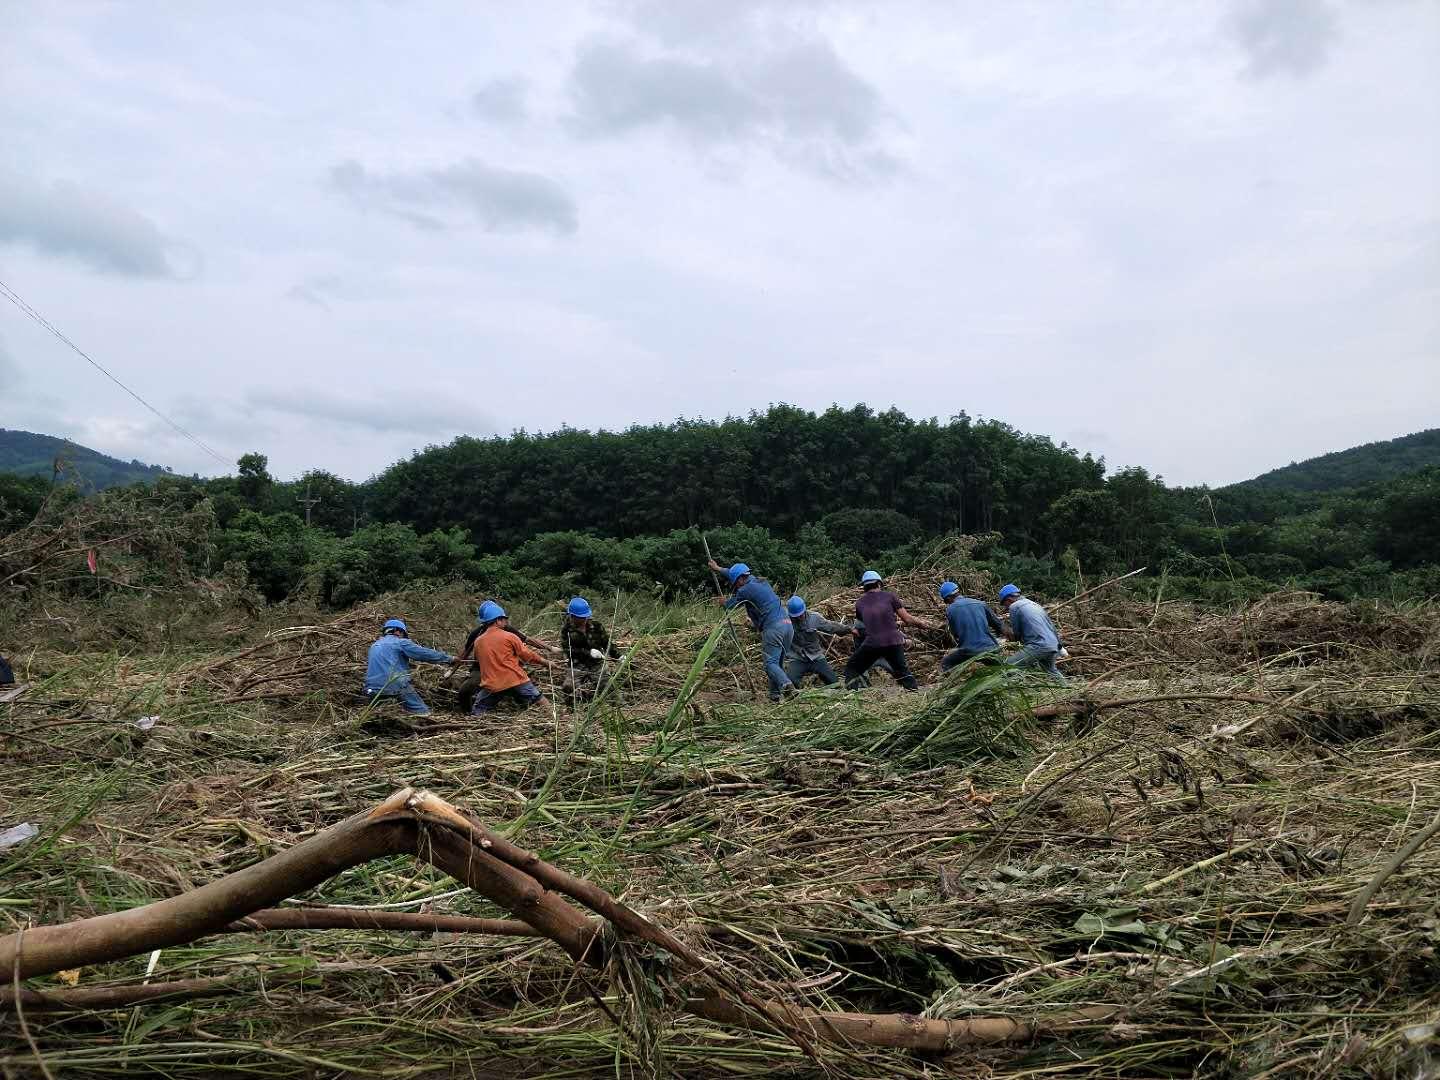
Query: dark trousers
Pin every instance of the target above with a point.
(797, 667)
(956, 657)
(465, 695)
(863, 658)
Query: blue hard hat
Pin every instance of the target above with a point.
(736, 572)
(497, 612)
(579, 607)
(948, 589)
(1007, 591)
(489, 611)
(868, 576)
(396, 624)
(795, 606)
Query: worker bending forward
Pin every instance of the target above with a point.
(878, 609)
(387, 668)
(586, 646)
(807, 654)
(1031, 625)
(485, 616)
(500, 656)
(768, 616)
(976, 629)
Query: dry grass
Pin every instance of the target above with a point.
(1191, 859)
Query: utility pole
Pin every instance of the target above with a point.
(307, 501)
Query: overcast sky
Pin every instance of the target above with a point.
(1199, 237)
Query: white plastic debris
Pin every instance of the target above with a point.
(145, 723)
(18, 834)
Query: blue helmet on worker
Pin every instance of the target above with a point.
(870, 577)
(948, 589)
(396, 624)
(795, 606)
(1007, 591)
(736, 572)
(578, 607)
(489, 611)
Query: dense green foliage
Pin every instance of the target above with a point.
(1366, 464)
(24, 453)
(802, 497)
(784, 468)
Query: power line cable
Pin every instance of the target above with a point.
(15, 298)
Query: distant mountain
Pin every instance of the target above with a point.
(25, 453)
(1358, 465)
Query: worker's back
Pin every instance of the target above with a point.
(386, 663)
(973, 624)
(499, 655)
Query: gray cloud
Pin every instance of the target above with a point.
(617, 91)
(500, 199)
(63, 219)
(501, 101)
(388, 415)
(800, 100)
(685, 22)
(1283, 37)
(315, 291)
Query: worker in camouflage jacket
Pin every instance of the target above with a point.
(586, 646)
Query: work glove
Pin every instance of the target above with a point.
(596, 654)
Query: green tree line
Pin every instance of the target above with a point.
(801, 496)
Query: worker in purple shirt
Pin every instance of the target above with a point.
(878, 609)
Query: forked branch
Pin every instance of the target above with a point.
(533, 891)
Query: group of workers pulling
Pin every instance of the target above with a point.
(790, 642)
(791, 645)
(497, 654)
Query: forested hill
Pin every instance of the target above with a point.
(1367, 464)
(24, 453)
(804, 496)
(783, 469)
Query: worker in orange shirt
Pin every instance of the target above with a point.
(500, 657)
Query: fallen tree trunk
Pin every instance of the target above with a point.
(352, 918)
(392, 828)
(119, 997)
(519, 881)
(210, 908)
(896, 1030)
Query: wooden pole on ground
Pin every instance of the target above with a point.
(427, 827)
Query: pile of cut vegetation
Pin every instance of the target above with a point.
(1188, 863)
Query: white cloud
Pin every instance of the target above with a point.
(61, 218)
(1100, 217)
(421, 414)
